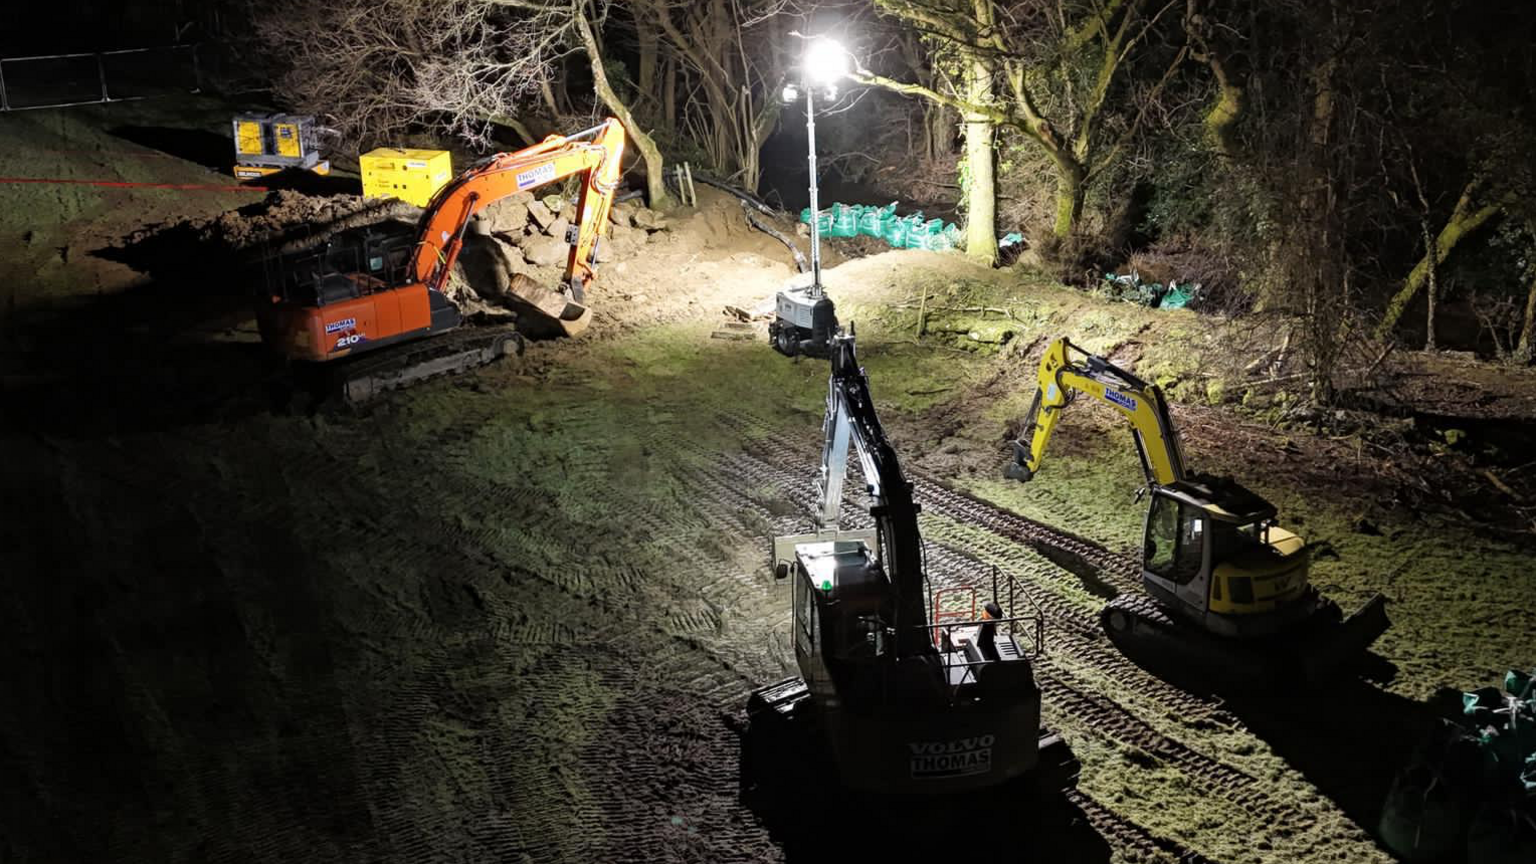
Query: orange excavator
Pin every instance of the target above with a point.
(381, 289)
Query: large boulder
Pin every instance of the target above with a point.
(558, 228)
(541, 215)
(624, 233)
(506, 216)
(649, 219)
(545, 251)
(622, 213)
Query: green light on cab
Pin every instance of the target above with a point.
(826, 584)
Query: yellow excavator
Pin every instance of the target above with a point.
(1226, 588)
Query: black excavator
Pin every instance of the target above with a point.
(1227, 595)
(903, 689)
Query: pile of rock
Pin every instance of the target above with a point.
(520, 234)
(538, 227)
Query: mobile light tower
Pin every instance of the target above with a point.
(806, 320)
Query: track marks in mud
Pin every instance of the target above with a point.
(996, 537)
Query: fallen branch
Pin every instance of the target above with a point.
(1501, 485)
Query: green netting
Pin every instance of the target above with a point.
(1178, 296)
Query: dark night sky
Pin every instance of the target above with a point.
(85, 25)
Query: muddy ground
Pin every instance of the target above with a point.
(513, 616)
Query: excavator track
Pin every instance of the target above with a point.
(371, 375)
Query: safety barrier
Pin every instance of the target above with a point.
(92, 78)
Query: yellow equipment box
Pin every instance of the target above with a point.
(276, 141)
(410, 175)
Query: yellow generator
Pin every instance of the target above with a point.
(269, 143)
(410, 175)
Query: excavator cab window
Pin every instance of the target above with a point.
(1175, 539)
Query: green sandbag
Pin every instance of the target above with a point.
(845, 221)
(895, 233)
(1500, 835)
(1519, 685)
(1420, 820)
(872, 220)
(805, 215)
(869, 222)
(1178, 296)
(914, 237)
(933, 237)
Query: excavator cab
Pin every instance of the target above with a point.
(1213, 551)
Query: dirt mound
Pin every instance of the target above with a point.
(281, 223)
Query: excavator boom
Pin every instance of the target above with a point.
(596, 153)
(1062, 376)
(909, 698)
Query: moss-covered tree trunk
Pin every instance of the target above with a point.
(655, 165)
(1525, 350)
(981, 182)
(1070, 189)
(1465, 219)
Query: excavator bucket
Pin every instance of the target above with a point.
(542, 312)
(1339, 648)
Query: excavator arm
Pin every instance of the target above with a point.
(1067, 371)
(851, 418)
(594, 153)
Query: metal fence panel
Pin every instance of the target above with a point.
(60, 80)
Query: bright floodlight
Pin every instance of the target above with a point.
(825, 61)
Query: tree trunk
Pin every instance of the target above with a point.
(669, 94)
(981, 191)
(1429, 256)
(1069, 196)
(648, 62)
(655, 166)
(1464, 220)
(938, 131)
(1525, 351)
(1221, 120)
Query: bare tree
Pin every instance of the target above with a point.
(655, 166)
(733, 50)
(379, 67)
(382, 67)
